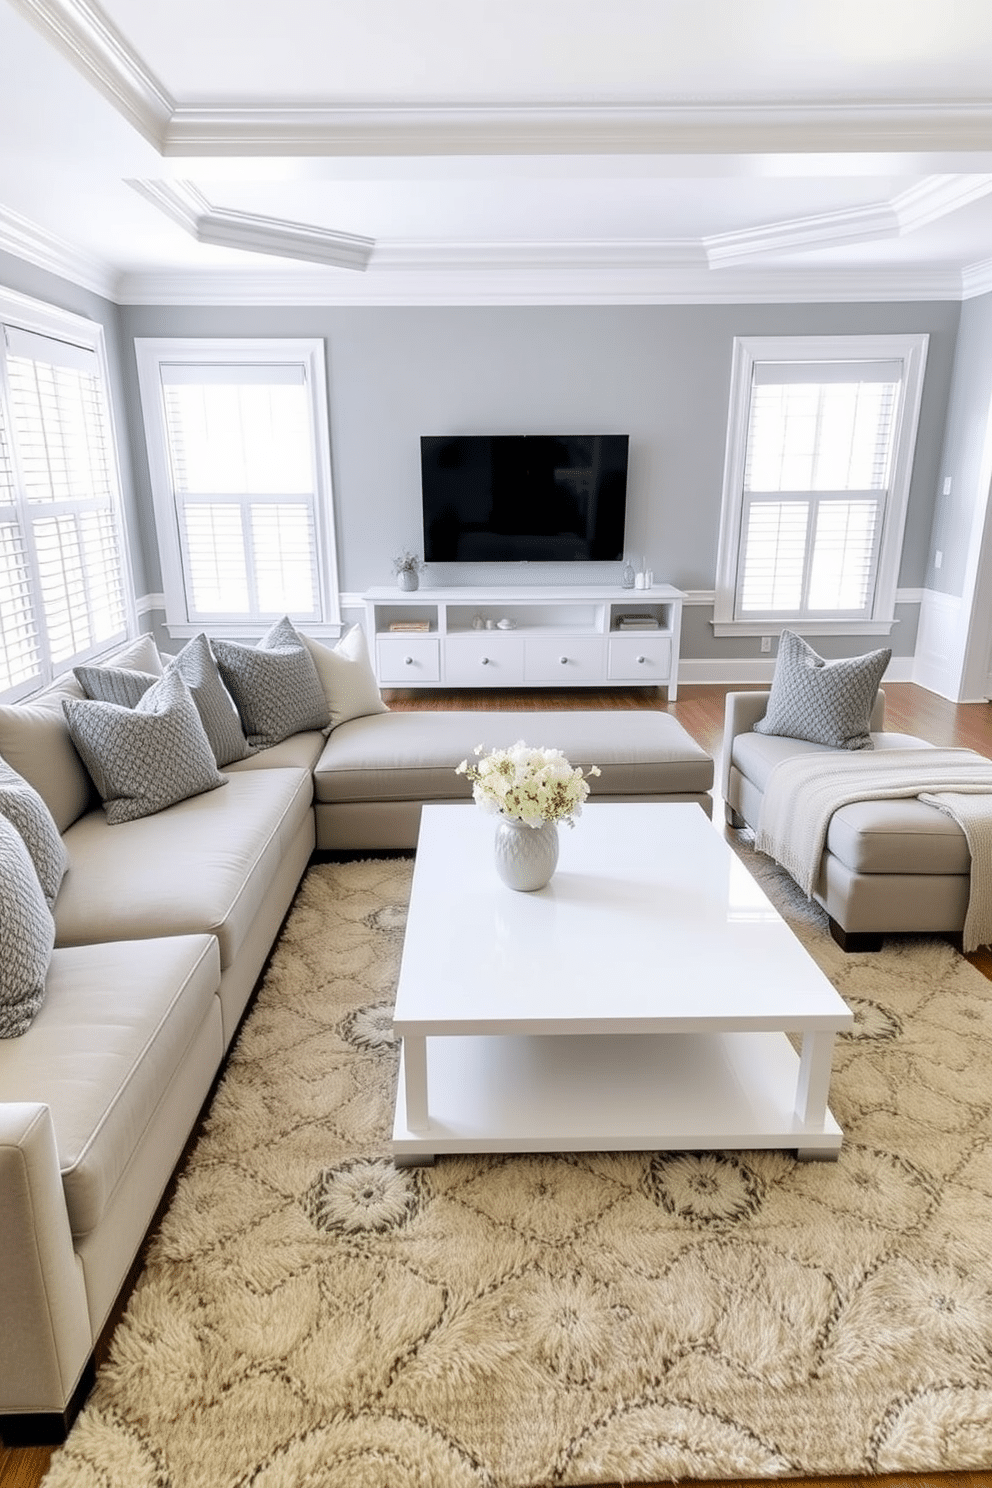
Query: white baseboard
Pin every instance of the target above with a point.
(722, 673)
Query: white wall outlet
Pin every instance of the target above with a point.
(766, 643)
(947, 485)
(938, 558)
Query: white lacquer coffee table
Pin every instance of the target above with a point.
(640, 1001)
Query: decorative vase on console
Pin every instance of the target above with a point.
(531, 791)
(627, 575)
(407, 570)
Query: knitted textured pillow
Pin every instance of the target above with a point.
(274, 684)
(113, 684)
(196, 664)
(825, 702)
(27, 935)
(145, 758)
(21, 804)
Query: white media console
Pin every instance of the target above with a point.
(526, 637)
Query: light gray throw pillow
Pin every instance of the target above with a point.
(27, 935)
(113, 684)
(214, 703)
(347, 678)
(275, 685)
(24, 808)
(145, 758)
(824, 702)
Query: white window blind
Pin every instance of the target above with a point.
(816, 484)
(62, 565)
(239, 481)
(819, 453)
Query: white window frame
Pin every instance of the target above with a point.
(911, 351)
(154, 353)
(23, 313)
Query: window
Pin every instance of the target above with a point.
(65, 592)
(816, 483)
(240, 468)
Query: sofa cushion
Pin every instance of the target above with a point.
(275, 685)
(27, 934)
(824, 702)
(148, 757)
(299, 750)
(756, 755)
(115, 1026)
(347, 677)
(205, 864)
(21, 804)
(412, 756)
(35, 741)
(900, 836)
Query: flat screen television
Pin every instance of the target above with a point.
(524, 498)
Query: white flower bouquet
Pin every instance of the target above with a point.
(530, 785)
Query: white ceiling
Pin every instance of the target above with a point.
(490, 151)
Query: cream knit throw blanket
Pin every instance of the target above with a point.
(803, 793)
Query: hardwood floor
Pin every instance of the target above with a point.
(909, 709)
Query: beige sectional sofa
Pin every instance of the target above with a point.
(889, 866)
(162, 927)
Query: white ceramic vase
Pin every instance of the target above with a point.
(408, 578)
(526, 857)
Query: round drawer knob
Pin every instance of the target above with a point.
(642, 660)
(485, 661)
(408, 660)
(563, 660)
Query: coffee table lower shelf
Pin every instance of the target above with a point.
(610, 1093)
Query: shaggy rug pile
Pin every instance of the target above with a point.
(311, 1315)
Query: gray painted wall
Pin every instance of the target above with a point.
(966, 431)
(658, 373)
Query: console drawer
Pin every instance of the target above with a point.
(640, 658)
(408, 659)
(564, 661)
(484, 659)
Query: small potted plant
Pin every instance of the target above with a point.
(407, 570)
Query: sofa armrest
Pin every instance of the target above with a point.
(741, 712)
(45, 1332)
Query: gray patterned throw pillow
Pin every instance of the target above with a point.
(145, 758)
(824, 702)
(274, 684)
(111, 684)
(27, 935)
(21, 804)
(214, 703)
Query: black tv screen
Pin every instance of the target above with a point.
(523, 498)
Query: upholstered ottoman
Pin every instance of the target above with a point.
(375, 773)
(888, 865)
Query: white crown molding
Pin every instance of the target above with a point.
(738, 127)
(976, 279)
(88, 39)
(27, 241)
(936, 197)
(187, 206)
(83, 34)
(490, 279)
(803, 234)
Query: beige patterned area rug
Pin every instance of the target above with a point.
(311, 1315)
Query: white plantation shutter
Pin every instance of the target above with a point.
(237, 464)
(62, 566)
(817, 468)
